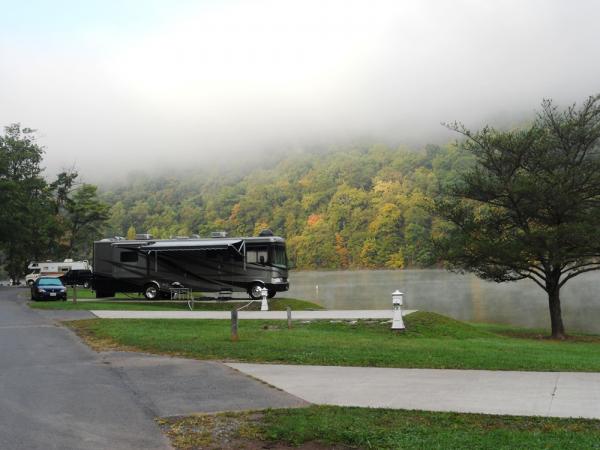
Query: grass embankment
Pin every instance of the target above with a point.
(431, 341)
(342, 427)
(275, 304)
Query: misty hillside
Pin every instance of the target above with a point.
(363, 206)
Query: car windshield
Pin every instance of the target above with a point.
(49, 282)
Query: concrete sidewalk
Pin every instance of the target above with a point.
(383, 314)
(552, 394)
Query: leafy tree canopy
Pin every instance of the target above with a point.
(530, 206)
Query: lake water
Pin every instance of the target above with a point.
(463, 297)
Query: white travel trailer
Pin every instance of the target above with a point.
(53, 268)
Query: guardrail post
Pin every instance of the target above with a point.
(234, 325)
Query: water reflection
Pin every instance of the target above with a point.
(464, 297)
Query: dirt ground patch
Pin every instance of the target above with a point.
(227, 431)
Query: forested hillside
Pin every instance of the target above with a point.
(358, 207)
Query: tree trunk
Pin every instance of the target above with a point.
(558, 329)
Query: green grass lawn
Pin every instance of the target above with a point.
(346, 427)
(275, 304)
(431, 341)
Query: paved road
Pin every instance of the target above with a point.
(553, 394)
(347, 314)
(56, 393)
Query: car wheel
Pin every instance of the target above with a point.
(151, 291)
(255, 291)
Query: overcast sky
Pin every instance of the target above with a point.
(146, 84)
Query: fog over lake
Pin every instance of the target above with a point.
(463, 297)
(115, 86)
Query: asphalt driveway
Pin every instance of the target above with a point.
(56, 393)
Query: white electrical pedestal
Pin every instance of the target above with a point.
(264, 304)
(397, 322)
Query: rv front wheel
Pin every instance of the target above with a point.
(30, 283)
(254, 291)
(151, 291)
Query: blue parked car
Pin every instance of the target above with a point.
(48, 288)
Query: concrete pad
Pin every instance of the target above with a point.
(578, 392)
(355, 314)
(557, 394)
(176, 386)
(61, 314)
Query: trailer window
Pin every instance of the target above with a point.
(131, 257)
(257, 255)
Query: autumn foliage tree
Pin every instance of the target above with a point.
(530, 206)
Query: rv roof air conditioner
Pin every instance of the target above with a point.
(218, 234)
(266, 232)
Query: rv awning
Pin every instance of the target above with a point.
(195, 245)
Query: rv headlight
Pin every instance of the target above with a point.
(276, 280)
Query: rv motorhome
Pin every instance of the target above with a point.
(153, 266)
(53, 268)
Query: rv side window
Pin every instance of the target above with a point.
(257, 255)
(63, 269)
(129, 257)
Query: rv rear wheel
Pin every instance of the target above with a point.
(254, 291)
(151, 291)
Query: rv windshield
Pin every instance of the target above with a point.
(279, 258)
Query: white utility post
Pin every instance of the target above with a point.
(264, 305)
(397, 322)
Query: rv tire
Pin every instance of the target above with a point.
(254, 291)
(151, 291)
